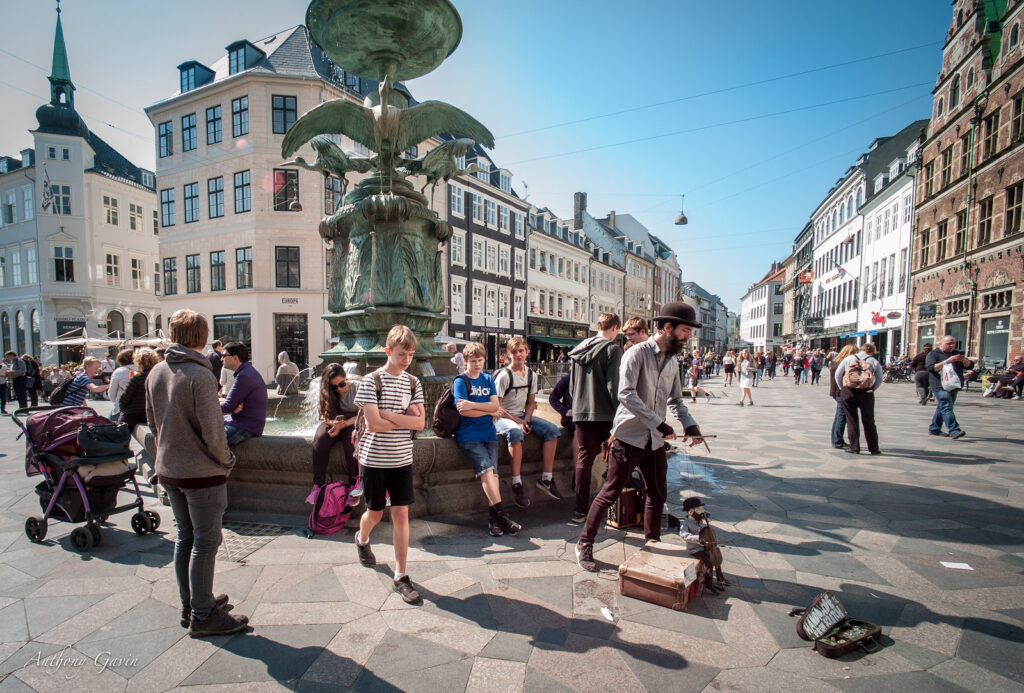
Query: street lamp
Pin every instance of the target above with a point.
(681, 219)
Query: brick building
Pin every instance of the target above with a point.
(968, 245)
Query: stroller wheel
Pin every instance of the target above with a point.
(103, 518)
(141, 523)
(96, 536)
(35, 529)
(154, 519)
(81, 539)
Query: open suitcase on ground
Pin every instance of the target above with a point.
(834, 633)
(627, 510)
(661, 573)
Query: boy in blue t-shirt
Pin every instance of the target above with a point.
(477, 436)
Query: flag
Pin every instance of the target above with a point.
(47, 199)
(841, 272)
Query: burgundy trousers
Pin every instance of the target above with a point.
(653, 466)
(588, 435)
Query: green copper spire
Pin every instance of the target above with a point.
(61, 88)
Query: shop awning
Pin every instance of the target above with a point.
(558, 341)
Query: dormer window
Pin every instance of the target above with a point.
(188, 79)
(879, 182)
(194, 75)
(506, 182)
(484, 173)
(460, 161)
(242, 55)
(236, 60)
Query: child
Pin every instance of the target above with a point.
(517, 393)
(385, 451)
(689, 530)
(477, 436)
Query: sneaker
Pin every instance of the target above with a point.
(355, 494)
(548, 487)
(494, 526)
(510, 526)
(519, 496)
(404, 587)
(740, 403)
(311, 498)
(217, 623)
(936, 433)
(366, 556)
(1016, 397)
(585, 557)
(219, 602)
(578, 518)
(957, 435)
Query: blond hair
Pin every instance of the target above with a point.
(474, 350)
(401, 336)
(606, 321)
(146, 358)
(514, 343)
(638, 324)
(845, 351)
(90, 359)
(189, 328)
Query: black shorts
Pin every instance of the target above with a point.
(396, 482)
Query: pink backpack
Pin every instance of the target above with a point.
(330, 511)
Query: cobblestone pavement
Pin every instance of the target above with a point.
(516, 613)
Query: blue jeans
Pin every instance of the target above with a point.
(483, 455)
(944, 401)
(510, 430)
(804, 374)
(197, 514)
(757, 377)
(237, 435)
(838, 425)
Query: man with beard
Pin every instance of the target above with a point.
(648, 383)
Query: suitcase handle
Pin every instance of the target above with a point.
(874, 645)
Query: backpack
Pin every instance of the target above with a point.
(530, 375)
(360, 429)
(446, 417)
(60, 392)
(330, 509)
(859, 375)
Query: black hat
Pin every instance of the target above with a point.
(678, 313)
(691, 503)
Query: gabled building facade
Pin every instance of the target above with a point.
(761, 310)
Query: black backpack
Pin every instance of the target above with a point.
(446, 417)
(511, 379)
(60, 392)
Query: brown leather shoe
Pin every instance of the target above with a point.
(219, 622)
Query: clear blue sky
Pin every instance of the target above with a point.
(530, 64)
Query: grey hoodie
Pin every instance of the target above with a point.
(183, 410)
(594, 382)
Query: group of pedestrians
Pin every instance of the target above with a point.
(20, 380)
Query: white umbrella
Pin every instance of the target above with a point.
(444, 339)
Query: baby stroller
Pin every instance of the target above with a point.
(77, 486)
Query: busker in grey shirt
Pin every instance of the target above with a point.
(648, 385)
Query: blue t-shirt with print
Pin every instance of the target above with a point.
(475, 428)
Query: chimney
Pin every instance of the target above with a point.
(579, 206)
(611, 219)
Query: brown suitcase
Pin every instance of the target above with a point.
(627, 511)
(660, 573)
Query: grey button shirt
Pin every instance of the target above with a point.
(645, 392)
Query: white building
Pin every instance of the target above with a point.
(606, 279)
(761, 311)
(86, 259)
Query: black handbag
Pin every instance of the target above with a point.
(106, 440)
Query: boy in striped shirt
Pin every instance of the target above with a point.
(385, 450)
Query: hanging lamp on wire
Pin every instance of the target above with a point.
(681, 219)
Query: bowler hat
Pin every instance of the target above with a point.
(678, 313)
(691, 503)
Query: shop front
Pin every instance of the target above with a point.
(995, 340)
(548, 339)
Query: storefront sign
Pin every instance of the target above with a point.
(812, 325)
(289, 299)
(894, 315)
(560, 331)
(927, 311)
(582, 333)
(538, 329)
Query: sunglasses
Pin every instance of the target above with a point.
(339, 385)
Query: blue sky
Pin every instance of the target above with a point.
(528, 65)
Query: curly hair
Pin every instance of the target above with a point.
(330, 407)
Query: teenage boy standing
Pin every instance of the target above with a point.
(594, 383)
(385, 451)
(476, 398)
(517, 393)
(648, 381)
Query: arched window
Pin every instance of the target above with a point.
(1014, 36)
(158, 323)
(849, 207)
(954, 93)
(940, 109)
(37, 344)
(842, 214)
(959, 19)
(970, 78)
(140, 325)
(19, 327)
(835, 217)
(115, 323)
(5, 328)
(860, 197)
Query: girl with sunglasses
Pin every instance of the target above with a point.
(337, 418)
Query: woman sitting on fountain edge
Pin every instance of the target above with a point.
(337, 417)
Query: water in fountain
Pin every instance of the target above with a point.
(309, 418)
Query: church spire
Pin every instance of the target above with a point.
(61, 88)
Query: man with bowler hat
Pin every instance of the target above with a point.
(648, 383)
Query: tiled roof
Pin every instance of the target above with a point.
(110, 162)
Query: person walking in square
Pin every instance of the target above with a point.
(594, 383)
(945, 399)
(858, 376)
(747, 369)
(385, 451)
(192, 464)
(648, 384)
(920, 369)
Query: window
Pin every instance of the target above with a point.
(243, 268)
(518, 307)
(478, 254)
(29, 207)
(361, 148)
(533, 258)
(134, 216)
(961, 232)
(561, 267)
(880, 278)
(456, 200)
(61, 199)
(503, 218)
(165, 138)
(492, 258)
(777, 309)
(940, 240)
(520, 265)
(505, 182)
(478, 208)
(286, 264)
(65, 154)
(32, 264)
(213, 126)
(243, 193)
(191, 202)
(946, 174)
(1014, 193)
(240, 116)
(991, 141)
(458, 298)
(478, 300)
(504, 261)
(503, 304)
(136, 269)
(217, 273)
(215, 196)
(284, 108)
(188, 132)
(51, 152)
(908, 210)
(965, 150)
(156, 278)
(192, 269)
(1017, 124)
(63, 265)
(170, 276)
(517, 224)
(156, 223)
(286, 190)
(458, 249)
(491, 212)
(903, 270)
(892, 272)
(926, 238)
(954, 93)
(110, 209)
(167, 207)
(236, 60)
(985, 221)
(112, 271)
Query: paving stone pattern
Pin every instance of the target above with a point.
(516, 613)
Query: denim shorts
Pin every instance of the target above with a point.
(543, 429)
(482, 454)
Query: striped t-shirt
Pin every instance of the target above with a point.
(76, 393)
(388, 448)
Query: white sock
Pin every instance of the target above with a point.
(361, 542)
(547, 476)
(516, 479)
(399, 576)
